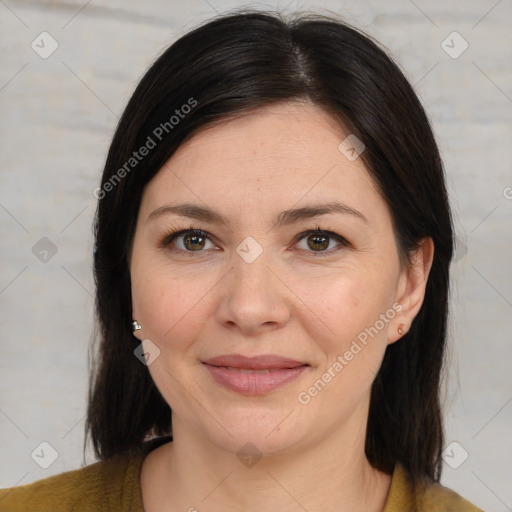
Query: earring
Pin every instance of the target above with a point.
(136, 326)
(400, 330)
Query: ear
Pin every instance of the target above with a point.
(411, 289)
(135, 316)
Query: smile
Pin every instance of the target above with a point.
(254, 376)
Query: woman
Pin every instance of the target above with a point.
(273, 241)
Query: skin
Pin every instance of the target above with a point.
(290, 301)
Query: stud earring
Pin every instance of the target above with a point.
(400, 330)
(136, 326)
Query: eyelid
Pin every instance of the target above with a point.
(173, 234)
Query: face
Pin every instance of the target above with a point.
(262, 282)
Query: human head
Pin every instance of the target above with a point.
(232, 66)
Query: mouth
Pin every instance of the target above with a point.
(254, 375)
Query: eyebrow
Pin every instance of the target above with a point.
(285, 218)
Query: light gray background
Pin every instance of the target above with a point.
(57, 118)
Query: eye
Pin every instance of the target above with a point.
(318, 241)
(190, 240)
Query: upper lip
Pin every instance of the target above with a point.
(263, 362)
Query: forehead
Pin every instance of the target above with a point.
(284, 133)
(278, 155)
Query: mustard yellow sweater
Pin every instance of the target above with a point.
(114, 486)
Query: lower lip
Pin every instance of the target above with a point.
(254, 383)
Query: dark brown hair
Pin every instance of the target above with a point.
(229, 66)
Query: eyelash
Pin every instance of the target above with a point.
(171, 235)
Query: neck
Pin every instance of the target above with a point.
(330, 474)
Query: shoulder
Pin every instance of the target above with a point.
(437, 498)
(88, 489)
(434, 497)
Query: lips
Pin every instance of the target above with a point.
(254, 375)
(263, 362)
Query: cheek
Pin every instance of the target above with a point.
(355, 317)
(173, 310)
(171, 306)
(352, 347)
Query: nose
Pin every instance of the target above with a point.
(252, 297)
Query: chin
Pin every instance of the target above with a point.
(265, 431)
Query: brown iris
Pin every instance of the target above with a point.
(317, 239)
(194, 237)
